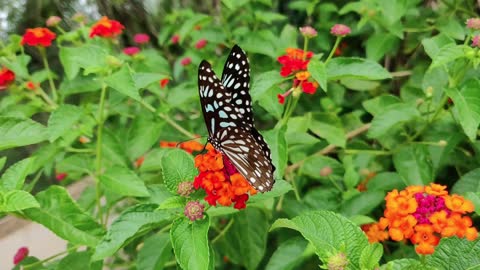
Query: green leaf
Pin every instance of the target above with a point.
(313, 164)
(288, 255)
(142, 80)
(371, 256)
(359, 85)
(455, 254)
(319, 72)
(79, 260)
(187, 27)
(16, 132)
(14, 176)
(362, 204)
(133, 222)
(62, 120)
(342, 67)
(402, 264)
(413, 164)
(19, 65)
(468, 182)
(3, 160)
(123, 181)
(142, 135)
(278, 147)
(172, 202)
(246, 241)
(79, 84)
(378, 104)
(447, 54)
(280, 187)
(16, 200)
(62, 215)
(177, 166)
(329, 233)
(123, 82)
(87, 57)
(433, 45)
(393, 115)
(113, 149)
(467, 107)
(263, 82)
(329, 127)
(380, 44)
(190, 243)
(474, 197)
(155, 252)
(386, 181)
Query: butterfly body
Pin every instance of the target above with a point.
(227, 109)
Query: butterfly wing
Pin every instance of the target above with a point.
(247, 154)
(236, 80)
(215, 100)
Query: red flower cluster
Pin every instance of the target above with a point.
(141, 38)
(295, 61)
(175, 39)
(6, 78)
(221, 181)
(186, 61)
(106, 28)
(39, 36)
(423, 215)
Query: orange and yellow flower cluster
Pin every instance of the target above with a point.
(189, 146)
(423, 215)
(221, 181)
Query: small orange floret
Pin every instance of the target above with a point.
(402, 228)
(458, 204)
(374, 232)
(191, 146)
(302, 75)
(425, 249)
(436, 190)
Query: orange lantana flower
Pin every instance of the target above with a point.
(221, 181)
(106, 28)
(425, 214)
(375, 232)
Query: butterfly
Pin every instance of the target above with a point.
(227, 110)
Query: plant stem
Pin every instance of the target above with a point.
(167, 119)
(367, 151)
(28, 266)
(337, 41)
(334, 183)
(49, 73)
(45, 97)
(230, 223)
(98, 168)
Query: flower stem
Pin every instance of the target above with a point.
(45, 97)
(337, 41)
(98, 167)
(167, 119)
(49, 73)
(28, 266)
(230, 223)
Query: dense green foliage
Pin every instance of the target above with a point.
(398, 104)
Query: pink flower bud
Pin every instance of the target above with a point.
(308, 31)
(194, 210)
(326, 171)
(186, 61)
(185, 188)
(131, 50)
(473, 23)
(21, 254)
(201, 43)
(476, 41)
(53, 21)
(338, 261)
(141, 38)
(175, 39)
(60, 176)
(340, 30)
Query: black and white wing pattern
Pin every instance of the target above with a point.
(227, 110)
